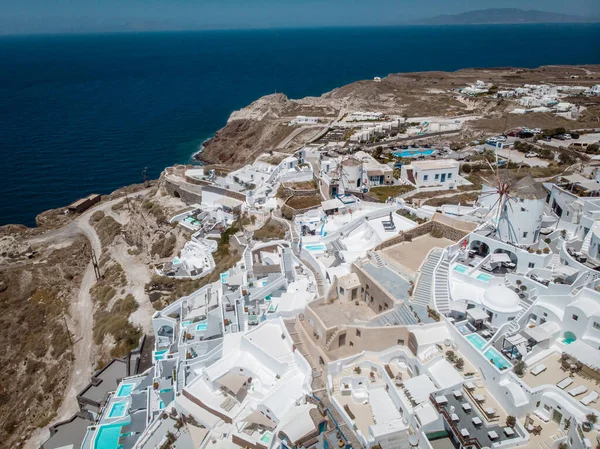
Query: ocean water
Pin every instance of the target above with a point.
(86, 113)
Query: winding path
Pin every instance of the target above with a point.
(81, 322)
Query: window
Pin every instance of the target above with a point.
(400, 342)
(525, 235)
(341, 290)
(547, 407)
(531, 265)
(437, 176)
(354, 293)
(425, 177)
(596, 326)
(351, 344)
(522, 209)
(358, 332)
(545, 314)
(449, 175)
(575, 317)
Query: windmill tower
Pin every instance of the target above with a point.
(517, 207)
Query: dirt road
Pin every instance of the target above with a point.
(81, 321)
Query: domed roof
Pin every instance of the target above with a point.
(501, 299)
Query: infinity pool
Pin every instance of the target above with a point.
(315, 247)
(476, 340)
(413, 153)
(108, 436)
(496, 358)
(125, 389)
(118, 410)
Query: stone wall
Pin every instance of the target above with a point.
(286, 191)
(187, 196)
(434, 226)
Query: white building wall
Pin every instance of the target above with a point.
(427, 178)
(521, 221)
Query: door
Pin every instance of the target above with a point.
(443, 177)
(342, 340)
(556, 416)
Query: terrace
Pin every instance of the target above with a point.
(464, 416)
(411, 254)
(566, 376)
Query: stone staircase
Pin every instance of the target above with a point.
(242, 317)
(441, 286)
(423, 290)
(376, 259)
(333, 337)
(400, 316)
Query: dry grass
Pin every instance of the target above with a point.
(106, 227)
(36, 358)
(303, 202)
(384, 192)
(115, 322)
(271, 230)
(463, 198)
(164, 246)
(305, 185)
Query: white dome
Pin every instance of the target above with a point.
(501, 299)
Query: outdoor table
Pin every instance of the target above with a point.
(477, 421)
(454, 417)
(464, 432)
(466, 407)
(457, 394)
(492, 434)
(441, 399)
(509, 432)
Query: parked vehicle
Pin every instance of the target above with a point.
(567, 136)
(525, 134)
(531, 154)
(575, 135)
(500, 138)
(560, 137)
(547, 139)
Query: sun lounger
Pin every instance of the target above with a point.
(565, 383)
(589, 398)
(541, 415)
(577, 390)
(538, 369)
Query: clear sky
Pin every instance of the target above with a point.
(48, 16)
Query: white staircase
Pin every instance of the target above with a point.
(376, 259)
(554, 262)
(585, 246)
(441, 286)
(422, 293)
(242, 317)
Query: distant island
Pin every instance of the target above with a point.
(503, 16)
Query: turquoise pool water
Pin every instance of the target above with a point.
(266, 438)
(108, 436)
(273, 308)
(476, 340)
(159, 355)
(268, 298)
(118, 410)
(161, 405)
(569, 337)
(484, 277)
(176, 261)
(460, 268)
(568, 341)
(185, 323)
(202, 326)
(496, 357)
(125, 389)
(224, 277)
(413, 153)
(315, 247)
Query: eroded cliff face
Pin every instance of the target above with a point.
(263, 125)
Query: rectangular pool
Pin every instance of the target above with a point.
(224, 277)
(202, 326)
(107, 436)
(460, 268)
(118, 410)
(266, 438)
(315, 247)
(496, 358)
(484, 277)
(125, 389)
(476, 340)
(413, 153)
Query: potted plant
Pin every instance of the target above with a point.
(520, 368)
(460, 363)
(155, 385)
(450, 356)
(563, 446)
(511, 421)
(357, 370)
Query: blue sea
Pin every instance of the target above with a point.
(86, 113)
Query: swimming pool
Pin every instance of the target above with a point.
(159, 355)
(185, 323)
(496, 358)
(176, 261)
(107, 436)
(268, 297)
(460, 268)
(224, 277)
(476, 340)
(464, 329)
(118, 410)
(484, 277)
(413, 153)
(202, 326)
(315, 247)
(569, 337)
(125, 389)
(266, 438)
